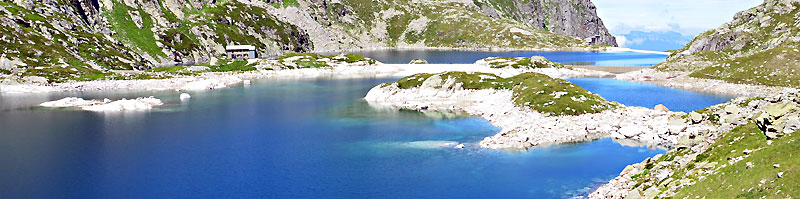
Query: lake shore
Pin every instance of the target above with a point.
(209, 81)
(523, 128)
(483, 49)
(682, 80)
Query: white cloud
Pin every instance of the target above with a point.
(621, 41)
(637, 41)
(688, 17)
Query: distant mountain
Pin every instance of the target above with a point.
(655, 41)
(760, 46)
(62, 40)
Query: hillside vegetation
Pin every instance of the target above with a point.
(750, 155)
(760, 46)
(60, 40)
(536, 91)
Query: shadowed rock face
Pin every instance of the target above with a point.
(570, 17)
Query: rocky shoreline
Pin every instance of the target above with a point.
(776, 116)
(688, 136)
(487, 49)
(523, 128)
(209, 81)
(682, 80)
(204, 81)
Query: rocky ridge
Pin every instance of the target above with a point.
(575, 18)
(759, 46)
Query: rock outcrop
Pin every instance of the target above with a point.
(740, 155)
(105, 105)
(759, 46)
(575, 18)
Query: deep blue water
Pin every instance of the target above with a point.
(468, 57)
(649, 95)
(283, 139)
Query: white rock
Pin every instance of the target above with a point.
(106, 104)
(185, 96)
(630, 131)
(69, 102)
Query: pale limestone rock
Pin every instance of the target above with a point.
(696, 117)
(661, 107)
(185, 96)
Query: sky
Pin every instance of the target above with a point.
(688, 17)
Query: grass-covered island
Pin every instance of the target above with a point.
(532, 109)
(533, 90)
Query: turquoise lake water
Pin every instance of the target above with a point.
(283, 139)
(649, 95)
(468, 57)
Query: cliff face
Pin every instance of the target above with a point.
(760, 46)
(575, 17)
(62, 40)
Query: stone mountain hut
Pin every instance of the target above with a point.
(241, 51)
(593, 40)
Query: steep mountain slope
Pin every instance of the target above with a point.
(575, 18)
(423, 23)
(760, 46)
(62, 40)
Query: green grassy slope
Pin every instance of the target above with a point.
(741, 162)
(64, 40)
(533, 90)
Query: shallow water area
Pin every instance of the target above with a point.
(279, 139)
(649, 95)
(624, 58)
